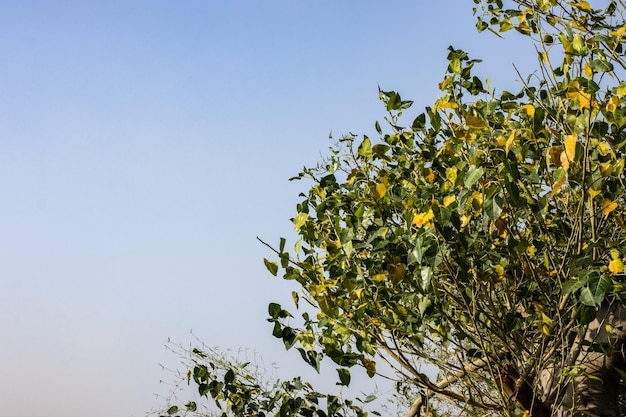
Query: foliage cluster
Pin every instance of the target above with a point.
(470, 248)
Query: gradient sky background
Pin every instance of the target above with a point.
(143, 147)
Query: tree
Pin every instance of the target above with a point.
(478, 252)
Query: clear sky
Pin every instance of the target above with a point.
(143, 147)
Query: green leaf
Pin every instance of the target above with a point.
(344, 376)
(271, 266)
(346, 235)
(586, 297)
(203, 389)
(419, 122)
(348, 248)
(600, 65)
(229, 377)
(365, 149)
(415, 255)
(426, 276)
(394, 101)
(594, 293)
(473, 175)
(572, 285)
(493, 207)
(455, 66)
(274, 310)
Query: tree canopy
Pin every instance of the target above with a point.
(475, 254)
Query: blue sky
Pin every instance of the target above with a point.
(143, 147)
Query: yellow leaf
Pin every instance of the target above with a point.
(509, 142)
(465, 220)
(619, 32)
(529, 109)
(593, 192)
(446, 82)
(564, 161)
(604, 149)
(608, 206)
(381, 190)
(299, 220)
(616, 266)
(499, 269)
(379, 277)
(557, 186)
(615, 254)
(582, 5)
(445, 103)
(606, 168)
(359, 292)
(621, 90)
(423, 219)
(570, 146)
(574, 92)
(320, 192)
(476, 200)
(451, 174)
(547, 320)
(449, 199)
(522, 17)
(613, 103)
(588, 71)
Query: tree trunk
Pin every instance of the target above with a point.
(593, 388)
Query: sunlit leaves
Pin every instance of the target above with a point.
(608, 206)
(300, 220)
(616, 266)
(575, 92)
(578, 44)
(365, 149)
(582, 5)
(423, 219)
(529, 109)
(379, 190)
(484, 224)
